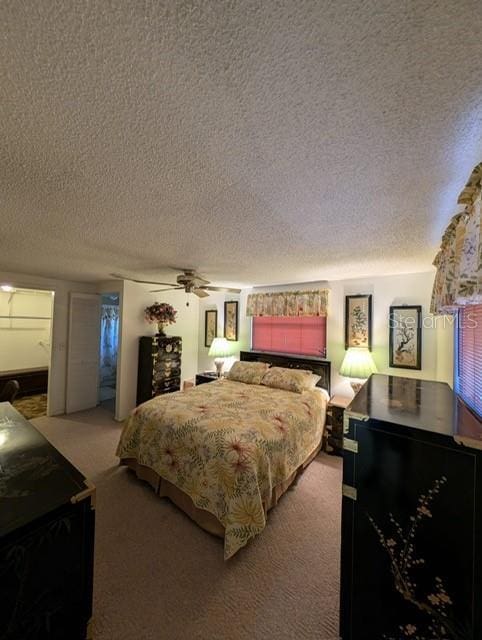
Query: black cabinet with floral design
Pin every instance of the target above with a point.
(159, 369)
(47, 522)
(411, 515)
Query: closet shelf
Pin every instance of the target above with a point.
(25, 318)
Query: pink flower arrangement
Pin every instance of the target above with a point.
(160, 312)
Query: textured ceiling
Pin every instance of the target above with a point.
(261, 142)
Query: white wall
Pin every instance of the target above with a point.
(437, 335)
(135, 297)
(416, 289)
(61, 289)
(25, 344)
(216, 301)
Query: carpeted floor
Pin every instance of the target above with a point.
(32, 406)
(159, 576)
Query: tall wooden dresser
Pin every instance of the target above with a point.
(159, 369)
(412, 514)
(46, 537)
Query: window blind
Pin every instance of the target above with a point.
(469, 357)
(303, 335)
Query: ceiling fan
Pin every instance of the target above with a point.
(188, 280)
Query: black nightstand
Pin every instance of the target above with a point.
(334, 424)
(206, 376)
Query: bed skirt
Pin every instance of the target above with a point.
(205, 519)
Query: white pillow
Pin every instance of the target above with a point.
(314, 379)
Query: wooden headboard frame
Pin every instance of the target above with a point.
(320, 367)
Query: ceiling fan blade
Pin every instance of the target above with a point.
(121, 277)
(172, 288)
(223, 289)
(201, 293)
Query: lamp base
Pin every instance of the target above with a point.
(219, 367)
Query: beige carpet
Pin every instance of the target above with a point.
(32, 406)
(158, 576)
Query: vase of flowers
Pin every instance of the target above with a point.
(162, 313)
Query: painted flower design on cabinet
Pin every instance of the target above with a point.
(400, 546)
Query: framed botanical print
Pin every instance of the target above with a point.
(210, 326)
(231, 320)
(405, 339)
(358, 321)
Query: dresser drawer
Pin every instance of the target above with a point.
(167, 348)
(166, 370)
(166, 386)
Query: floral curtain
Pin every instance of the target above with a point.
(458, 280)
(288, 303)
(109, 338)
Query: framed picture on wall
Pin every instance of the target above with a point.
(210, 326)
(405, 338)
(358, 321)
(231, 320)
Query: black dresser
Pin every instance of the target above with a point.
(46, 537)
(159, 369)
(411, 565)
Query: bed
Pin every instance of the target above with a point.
(225, 452)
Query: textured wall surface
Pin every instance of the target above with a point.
(260, 142)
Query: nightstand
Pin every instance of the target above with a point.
(206, 376)
(334, 424)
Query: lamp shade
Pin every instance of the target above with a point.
(219, 348)
(357, 363)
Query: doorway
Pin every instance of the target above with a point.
(109, 347)
(26, 317)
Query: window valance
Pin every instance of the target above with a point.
(288, 303)
(458, 280)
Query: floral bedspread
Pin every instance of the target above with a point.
(226, 444)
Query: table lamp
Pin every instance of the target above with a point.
(220, 350)
(357, 364)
